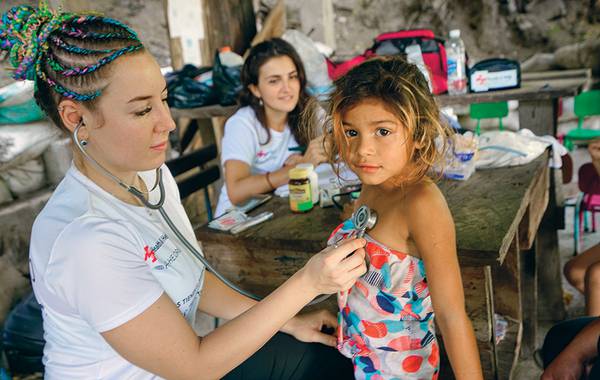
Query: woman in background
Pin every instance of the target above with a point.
(266, 136)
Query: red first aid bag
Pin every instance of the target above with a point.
(395, 43)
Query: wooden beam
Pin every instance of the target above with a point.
(229, 23)
(274, 24)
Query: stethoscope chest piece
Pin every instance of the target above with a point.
(364, 219)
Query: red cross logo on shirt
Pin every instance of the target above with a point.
(149, 254)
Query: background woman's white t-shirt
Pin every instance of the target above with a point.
(96, 263)
(243, 140)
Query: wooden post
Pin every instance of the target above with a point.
(222, 22)
(229, 22)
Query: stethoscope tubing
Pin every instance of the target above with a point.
(159, 206)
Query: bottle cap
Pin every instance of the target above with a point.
(224, 49)
(455, 33)
(298, 173)
(308, 166)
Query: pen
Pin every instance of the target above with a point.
(297, 149)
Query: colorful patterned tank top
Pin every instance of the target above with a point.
(386, 319)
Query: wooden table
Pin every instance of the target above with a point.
(497, 213)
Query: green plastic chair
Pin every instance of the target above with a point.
(586, 104)
(488, 111)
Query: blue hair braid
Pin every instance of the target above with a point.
(82, 70)
(76, 49)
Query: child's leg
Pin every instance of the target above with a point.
(592, 289)
(576, 268)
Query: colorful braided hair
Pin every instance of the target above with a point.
(64, 53)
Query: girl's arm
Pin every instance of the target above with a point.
(162, 342)
(242, 185)
(432, 229)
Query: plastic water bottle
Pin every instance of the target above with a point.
(229, 58)
(455, 53)
(414, 55)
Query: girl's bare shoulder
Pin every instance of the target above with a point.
(424, 197)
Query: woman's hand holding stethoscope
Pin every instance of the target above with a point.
(335, 268)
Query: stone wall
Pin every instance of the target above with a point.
(16, 220)
(490, 28)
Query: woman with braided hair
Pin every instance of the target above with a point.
(119, 290)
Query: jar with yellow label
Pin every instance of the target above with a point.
(300, 191)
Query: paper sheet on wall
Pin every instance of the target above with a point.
(186, 21)
(190, 50)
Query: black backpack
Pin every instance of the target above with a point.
(23, 337)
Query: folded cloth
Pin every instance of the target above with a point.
(558, 149)
(506, 148)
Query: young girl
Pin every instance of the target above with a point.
(583, 271)
(264, 138)
(385, 122)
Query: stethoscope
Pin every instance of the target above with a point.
(363, 217)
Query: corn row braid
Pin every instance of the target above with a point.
(104, 20)
(78, 33)
(76, 49)
(66, 92)
(82, 70)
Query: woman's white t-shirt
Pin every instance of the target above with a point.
(244, 140)
(96, 263)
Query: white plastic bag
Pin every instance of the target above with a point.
(5, 195)
(506, 148)
(314, 62)
(16, 93)
(20, 143)
(57, 160)
(17, 104)
(25, 178)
